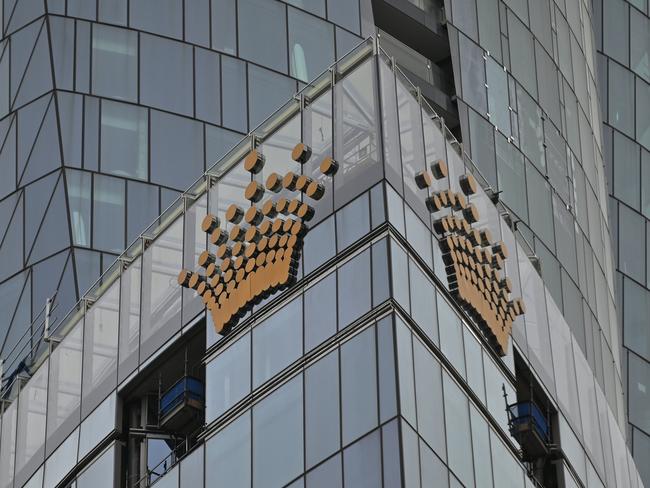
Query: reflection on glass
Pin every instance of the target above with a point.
(362, 462)
(228, 455)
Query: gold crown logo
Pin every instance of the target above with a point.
(259, 255)
(474, 263)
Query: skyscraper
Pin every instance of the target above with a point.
(402, 277)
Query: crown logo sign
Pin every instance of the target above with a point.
(259, 255)
(474, 262)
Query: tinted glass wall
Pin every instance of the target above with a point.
(109, 109)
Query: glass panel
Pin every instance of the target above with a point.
(352, 221)
(322, 435)
(224, 25)
(472, 74)
(208, 85)
(161, 295)
(64, 395)
(320, 245)
(265, 42)
(277, 342)
(234, 100)
(129, 319)
(175, 140)
(100, 349)
(362, 461)
(639, 400)
(311, 45)
(356, 138)
(30, 439)
(428, 388)
(521, 52)
(61, 461)
(358, 385)
(278, 436)
(344, 13)
(354, 294)
(386, 369)
(507, 471)
(327, 475)
(228, 455)
(459, 442)
(101, 473)
(480, 449)
(621, 98)
(192, 470)
(631, 243)
(267, 91)
(124, 140)
(320, 312)
(451, 335)
(228, 378)
(423, 302)
(108, 213)
(115, 62)
(8, 445)
(166, 67)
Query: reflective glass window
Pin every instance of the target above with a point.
(112, 11)
(616, 21)
(207, 86)
(108, 213)
(531, 132)
(124, 140)
(265, 42)
(428, 391)
(143, 208)
(358, 385)
(451, 334)
(277, 342)
(79, 201)
(311, 45)
(386, 369)
(224, 25)
(322, 435)
(459, 442)
(129, 340)
(621, 98)
(521, 52)
(100, 473)
(320, 245)
(192, 470)
(354, 297)
(636, 310)
(8, 444)
(541, 209)
(631, 252)
(228, 378)
(362, 462)
(233, 91)
(278, 436)
(352, 221)
(410, 456)
(423, 304)
(159, 16)
(176, 150)
(320, 312)
(327, 475)
(507, 471)
(473, 74)
(626, 170)
(642, 117)
(267, 92)
(639, 391)
(228, 455)
(512, 177)
(115, 62)
(166, 72)
(344, 13)
(640, 44)
(62, 460)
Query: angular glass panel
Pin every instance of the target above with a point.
(124, 140)
(344, 13)
(277, 342)
(640, 45)
(540, 206)
(98, 425)
(64, 394)
(327, 475)
(405, 371)
(79, 201)
(208, 85)
(472, 74)
(192, 470)
(311, 45)
(521, 52)
(481, 446)
(176, 150)
(451, 335)
(265, 42)
(115, 62)
(428, 390)
(224, 25)
(320, 312)
(322, 408)
(159, 16)
(61, 461)
(108, 212)
(197, 22)
(30, 437)
(278, 436)
(642, 117)
(352, 222)
(143, 208)
(512, 178)
(639, 392)
(100, 349)
(227, 378)
(621, 99)
(531, 132)
(410, 456)
(354, 294)
(319, 245)
(101, 472)
(459, 442)
(631, 243)
(112, 11)
(390, 126)
(423, 302)
(626, 170)
(358, 385)
(615, 21)
(234, 99)
(362, 461)
(166, 68)
(267, 92)
(507, 471)
(386, 369)
(356, 134)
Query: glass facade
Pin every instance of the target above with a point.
(368, 371)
